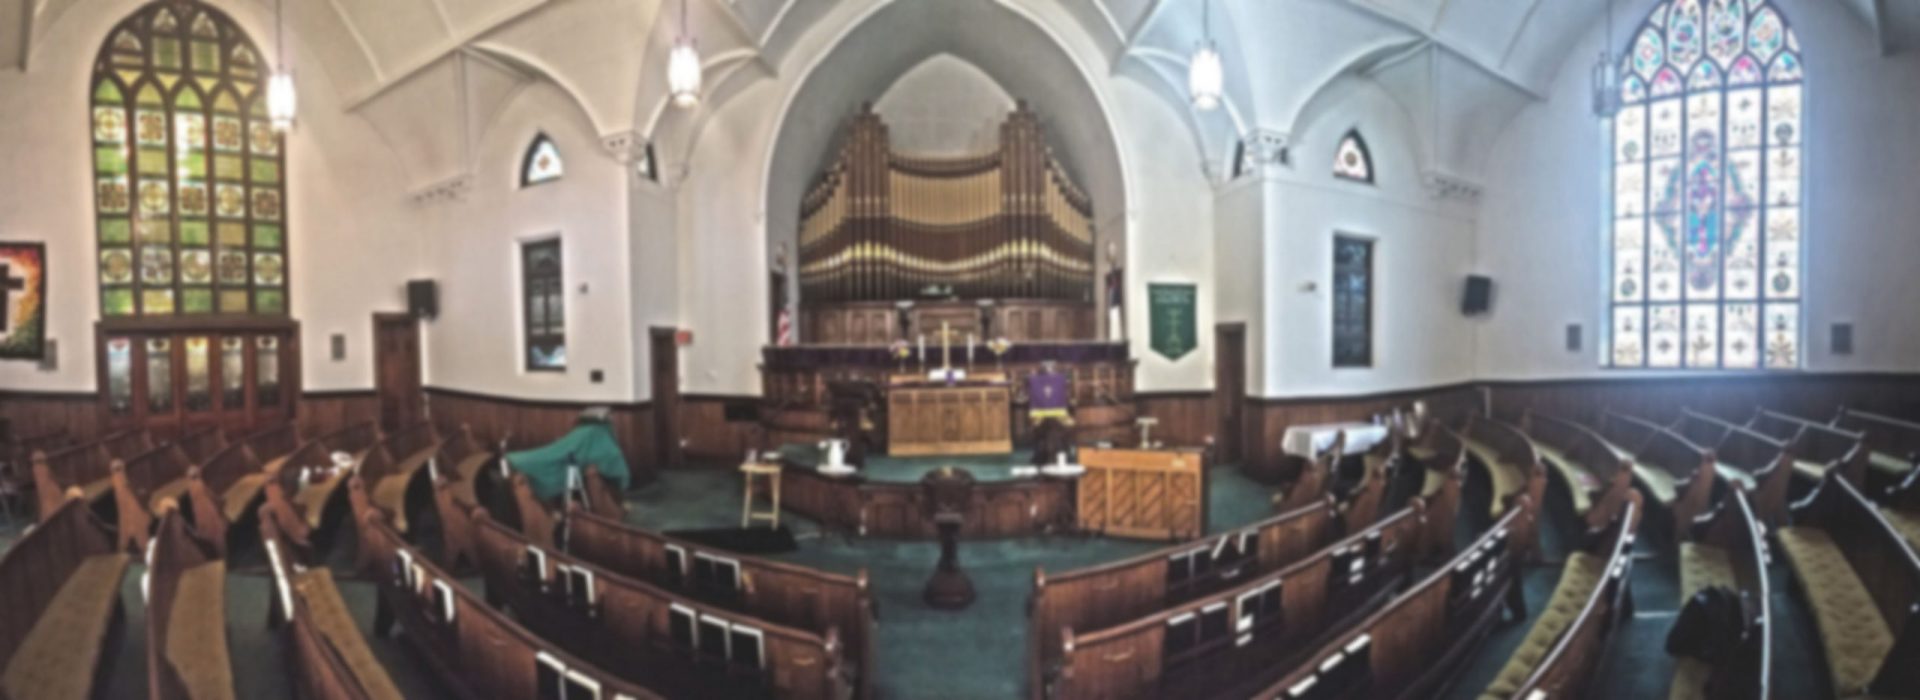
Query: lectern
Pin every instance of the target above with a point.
(948, 492)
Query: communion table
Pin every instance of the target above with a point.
(949, 418)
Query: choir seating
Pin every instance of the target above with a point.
(1230, 643)
(61, 584)
(1861, 580)
(673, 644)
(1893, 445)
(1565, 645)
(1759, 465)
(225, 487)
(1729, 550)
(87, 466)
(186, 584)
(1817, 447)
(1585, 462)
(312, 499)
(1675, 474)
(475, 651)
(1512, 465)
(1416, 645)
(327, 655)
(780, 593)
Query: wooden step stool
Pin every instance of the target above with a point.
(769, 474)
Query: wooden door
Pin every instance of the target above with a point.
(174, 379)
(1230, 388)
(396, 362)
(665, 350)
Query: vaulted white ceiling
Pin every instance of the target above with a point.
(407, 64)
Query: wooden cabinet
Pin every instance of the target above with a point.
(936, 419)
(1149, 494)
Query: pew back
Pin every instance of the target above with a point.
(38, 564)
(320, 664)
(1567, 670)
(187, 654)
(1884, 434)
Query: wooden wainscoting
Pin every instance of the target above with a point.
(322, 412)
(708, 433)
(1189, 418)
(1816, 397)
(530, 423)
(32, 413)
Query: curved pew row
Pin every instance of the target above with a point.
(1759, 465)
(1596, 472)
(475, 650)
(455, 474)
(777, 592)
(1413, 647)
(186, 587)
(670, 643)
(143, 482)
(61, 582)
(311, 494)
(1676, 474)
(88, 467)
(539, 521)
(389, 467)
(226, 486)
(1513, 466)
(1817, 447)
(1893, 445)
(1861, 579)
(1902, 509)
(1560, 652)
(1441, 457)
(1729, 550)
(326, 652)
(1232, 642)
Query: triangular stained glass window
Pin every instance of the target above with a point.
(1353, 161)
(542, 163)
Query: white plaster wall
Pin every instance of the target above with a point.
(1171, 225)
(1422, 252)
(722, 241)
(1240, 260)
(944, 107)
(1540, 236)
(350, 242)
(473, 250)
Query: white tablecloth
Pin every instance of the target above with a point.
(1310, 440)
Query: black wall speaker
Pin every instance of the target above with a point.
(1478, 297)
(423, 299)
(1842, 341)
(1573, 337)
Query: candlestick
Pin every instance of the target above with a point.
(969, 352)
(946, 349)
(923, 350)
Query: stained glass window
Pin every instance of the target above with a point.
(542, 163)
(546, 314)
(1705, 234)
(1352, 302)
(188, 186)
(1353, 161)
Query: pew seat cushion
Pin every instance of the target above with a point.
(1582, 484)
(1433, 482)
(1812, 471)
(390, 494)
(313, 498)
(1906, 522)
(174, 490)
(1690, 678)
(1853, 635)
(1736, 476)
(197, 632)
(92, 491)
(58, 657)
(330, 615)
(1423, 453)
(1580, 576)
(1507, 479)
(233, 503)
(1704, 566)
(1659, 483)
(1891, 465)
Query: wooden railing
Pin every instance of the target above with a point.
(781, 593)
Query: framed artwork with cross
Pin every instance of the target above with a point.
(23, 305)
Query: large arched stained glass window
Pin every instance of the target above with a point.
(189, 177)
(1706, 230)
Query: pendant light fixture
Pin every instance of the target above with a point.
(683, 66)
(282, 103)
(1204, 73)
(1606, 75)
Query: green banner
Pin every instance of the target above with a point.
(1173, 326)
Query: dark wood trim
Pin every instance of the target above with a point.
(533, 403)
(12, 394)
(756, 398)
(338, 394)
(1139, 396)
(1630, 377)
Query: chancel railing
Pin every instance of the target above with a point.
(882, 226)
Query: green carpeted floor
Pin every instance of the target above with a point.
(979, 652)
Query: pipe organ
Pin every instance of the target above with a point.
(884, 226)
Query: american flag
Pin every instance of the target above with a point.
(785, 337)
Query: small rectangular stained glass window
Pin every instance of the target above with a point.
(546, 317)
(1352, 302)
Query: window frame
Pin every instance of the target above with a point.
(1372, 249)
(1366, 157)
(528, 338)
(533, 150)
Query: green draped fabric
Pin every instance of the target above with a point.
(590, 443)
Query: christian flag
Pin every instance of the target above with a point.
(23, 293)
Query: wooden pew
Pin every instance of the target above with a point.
(1893, 445)
(1199, 649)
(1902, 509)
(61, 584)
(462, 460)
(390, 467)
(1762, 467)
(476, 651)
(1442, 476)
(1413, 647)
(1364, 503)
(186, 584)
(1817, 447)
(1861, 581)
(1588, 604)
(1512, 465)
(140, 484)
(223, 488)
(540, 520)
(327, 654)
(87, 467)
(672, 644)
(780, 593)
(312, 499)
(1589, 465)
(1673, 473)
(1729, 549)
